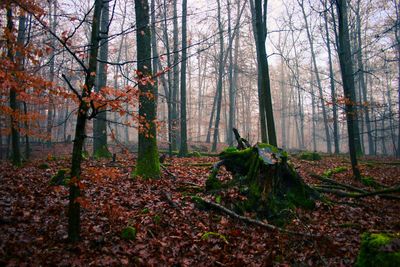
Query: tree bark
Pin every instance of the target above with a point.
(148, 165)
(175, 90)
(53, 18)
(219, 81)
(346, 67)
(15, 142)
(265, 89)
(314, 63)
(183, 151)
(362, 82)
(100, 149)
(74, 190)
(332, 85)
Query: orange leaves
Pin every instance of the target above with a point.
(83, 202)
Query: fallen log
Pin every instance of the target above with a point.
(327, 180)
(380, 193)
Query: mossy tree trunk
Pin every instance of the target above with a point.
(148, 165)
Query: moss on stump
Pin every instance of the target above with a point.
(267, 179)
(380, 249)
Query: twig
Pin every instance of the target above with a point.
(381, 193)
(173, 176)
(250, 220)
(327, 180)
(169, 200)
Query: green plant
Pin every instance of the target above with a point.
(44, 166)
(376, 250)
(369, 181)
(206, 235)
(157, 219)
(60, 178)
(129, 233)
(333, 171)
(307, 155)
(195, 154)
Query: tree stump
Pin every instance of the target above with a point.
(267, 179)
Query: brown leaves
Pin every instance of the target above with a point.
(33, 219)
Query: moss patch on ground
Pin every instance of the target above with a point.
(379, 249)
(307, 155)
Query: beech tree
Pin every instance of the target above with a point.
(183, 150)
(16, 154)
(346, 67)
(267, 123)
(100, 149)
(148, 165)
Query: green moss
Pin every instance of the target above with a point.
(199, 203)
(376, 250)
(129, 233)
(310, 156)
(148, 164)
(145, 210)
(213, 183)
(157, 219)
(44, 166)
(85, 154)
(369, 181)
(102, 153)
(333, 171)
(60, 178)
(207, 235)
(195, 154)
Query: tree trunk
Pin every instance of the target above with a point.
(219, 81)
(175, 90)
(183, 145)
(314, 63)
(264, 70)
(362, 82)
(100, 149)
(332, 85)
(170, 89)
(50, 107)
(148, 165)
(15, 142)
(346, 67)
(74, 191)
(397, 35)
(261, 103)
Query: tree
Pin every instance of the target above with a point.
(175, 86)
(148, 165)
(346, 67)
(361, 79)
(53, 21)
(265, 99)
(397, 36)
(219, 80)
(81, 121)
(15, 143)
(315, 68)
(332, 82)
(183, 147)
(100, 149)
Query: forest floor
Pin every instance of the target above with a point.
(171, 230)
